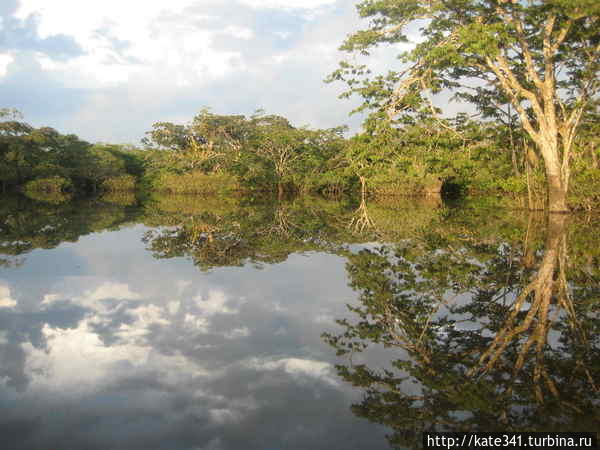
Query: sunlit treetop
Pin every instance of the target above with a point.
(541, 57)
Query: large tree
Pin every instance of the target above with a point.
(541, 57)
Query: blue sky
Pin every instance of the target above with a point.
(108, 70)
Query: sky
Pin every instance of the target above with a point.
(108, 70)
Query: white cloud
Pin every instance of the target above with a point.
(196, 323)
(77, 361)
(288, 4)
(91, 298)
(297, 367)
(239, 32)
(159, 62)
(110, 290)
(5, 299)
(214, 303)
(5, 60)
(173, 307)
(222, 416)
(50, 298)
(149, 39)
(237, 333)
(77, 358)
(145, 317)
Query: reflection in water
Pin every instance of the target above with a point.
(482, 333)
(103, 346)
(110, 338)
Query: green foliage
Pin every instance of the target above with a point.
(28, 154)
(585, 191)
(119, 183)
(50, 190)
(215, 153)
(50, 184)
(532, 66)
(195, 182)
(52, 197)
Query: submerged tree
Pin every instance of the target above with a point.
(541, 57)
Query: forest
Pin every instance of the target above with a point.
(265, 153)
(528, 73)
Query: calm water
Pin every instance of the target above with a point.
(223, 323)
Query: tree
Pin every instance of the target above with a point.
(94, 165)
(18, 152)
(539, 56)
(279, 143)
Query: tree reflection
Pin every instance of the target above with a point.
(26, 225)
(217, 232)
(483, 333)
(213, 233)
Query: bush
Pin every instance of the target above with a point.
(512, 185)
(119, 183)
(584, 190)
(195, 183)
(396, 184)
(50, 184)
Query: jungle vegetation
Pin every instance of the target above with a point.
(265, 153)
(530, 66)
(526, 71)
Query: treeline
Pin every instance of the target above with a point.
(41, 160)
(214, 153)
(426, 154)
(234, 153)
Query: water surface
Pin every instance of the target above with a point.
(225, 323)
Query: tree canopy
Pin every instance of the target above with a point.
(538, 57)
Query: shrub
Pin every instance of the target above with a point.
(584, 191)
(512, 185)
(119, 183)
(196, 182)
(50, 184)
(405, 184)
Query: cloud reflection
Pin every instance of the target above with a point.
(140, 353)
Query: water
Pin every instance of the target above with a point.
(223, 323)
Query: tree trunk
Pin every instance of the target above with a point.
(363, 189)
(513, 150)
(557, 189)
(557, 185)
(557, 195)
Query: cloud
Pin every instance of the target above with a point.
(22, 34)
(298, 367)
(5, 60)
(214, 303)
(124, 67)
(109, 349)
(42, 95)
(237, 333)
(288, 4)
(5, 299)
